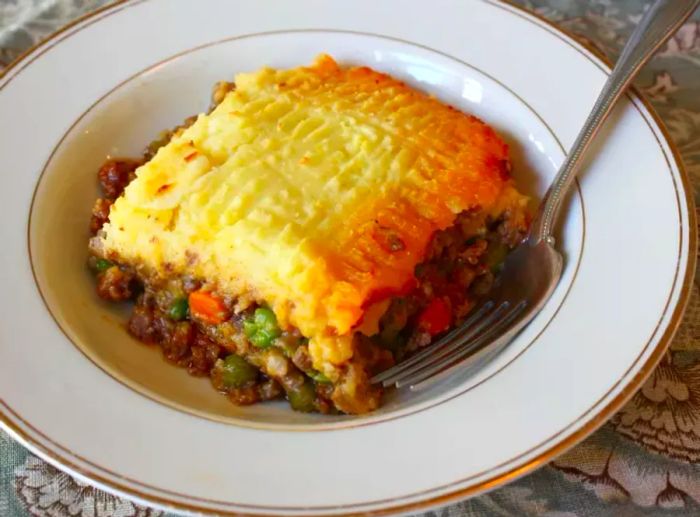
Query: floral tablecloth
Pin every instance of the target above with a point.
(645, 461)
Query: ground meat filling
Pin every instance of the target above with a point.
(458, 271)
(249, 358)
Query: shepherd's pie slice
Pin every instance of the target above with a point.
(314, 191)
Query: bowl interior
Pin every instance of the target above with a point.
(127, 118)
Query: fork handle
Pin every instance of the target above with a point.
(660, 21)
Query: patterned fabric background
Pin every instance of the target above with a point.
(645, 461)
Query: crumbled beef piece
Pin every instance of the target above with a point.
(114, 284)
(115, 175)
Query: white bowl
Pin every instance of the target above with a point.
(628, 237)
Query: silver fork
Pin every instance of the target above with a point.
(531, 272)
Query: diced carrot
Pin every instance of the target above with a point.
(436, 317)
(208, 307)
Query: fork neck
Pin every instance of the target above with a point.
(660, 21)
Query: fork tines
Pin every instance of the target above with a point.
(453, 349)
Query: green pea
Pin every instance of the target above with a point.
(319, 377)
(265, 319)
(178, 310)
(303, 398)
(262, 329)
(249, 328)
(103, 265)
(257, 336)
(236, 372)
(262, 338)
